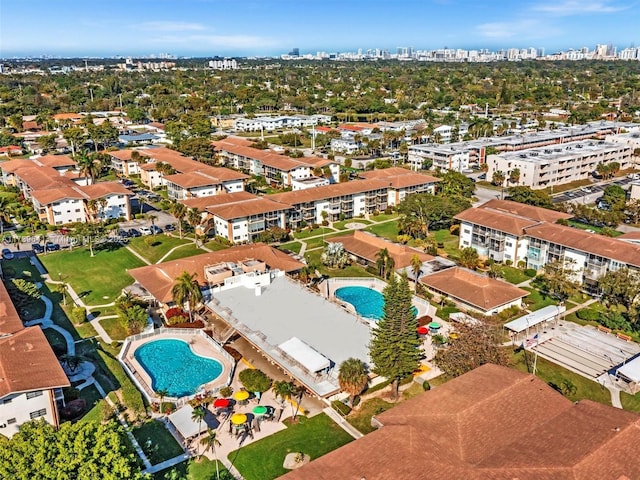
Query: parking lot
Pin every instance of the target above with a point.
(590, 193)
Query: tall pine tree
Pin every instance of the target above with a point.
(395, 346)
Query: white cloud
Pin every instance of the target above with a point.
(169, 26)
(578, 7)
(529, 29)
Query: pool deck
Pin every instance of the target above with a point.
(199, 345)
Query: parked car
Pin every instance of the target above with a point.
(586, 189)
(134, 233)
(155, 229)
(123, 233)
(170, 228)
(145, 231)
(7, 254)
(52, 247)
(37, 248)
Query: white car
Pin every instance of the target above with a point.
(145, 230)
(586, 189)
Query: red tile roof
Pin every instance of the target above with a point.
(246, 208)
(472, 288)
(595, 244)
(10, 321)
(54, 161)
(201, 203)
(493, 423)
(27, 363)
(158, 279)
(366, 245)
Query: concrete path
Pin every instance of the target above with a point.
(102, 333)
(167, 463)
(47, 322)
(123, 422)
(147, 262)
(346, 426)
(615, 397)
(176, 248)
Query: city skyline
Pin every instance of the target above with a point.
(271, 28)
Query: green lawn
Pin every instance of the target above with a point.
(586, 226)
(99, 279)
(86, 330)
(341, 225)
(114, 328)
(291, 246)
(383, 217)
(306, 233)
(361, 418)
(156, 441)
(630, 402)
(158, 248)
(95, 404)
(388, 230)
(449, 240)
(555, 375)
(183, 252)
(314, 436)
(313, 258)
(215, 245)
(320, 241)
(536, 300)
(513, 275)
(193, 469)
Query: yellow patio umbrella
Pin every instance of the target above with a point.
(241, 395)
(238, 418)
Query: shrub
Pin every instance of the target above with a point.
(508, 263)
(341, 407)
(255, 380)
(588, 314)
(426, 385)
(530, 272)
(78, 315)
(226, 391)
(176, 312)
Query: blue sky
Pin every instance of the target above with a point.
(272, 27)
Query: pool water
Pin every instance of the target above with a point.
(174, 367)
(368, 303)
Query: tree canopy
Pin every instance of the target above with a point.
(422, 212)
(395, 345)
(475, 346)
(526, 195)
(77, 451)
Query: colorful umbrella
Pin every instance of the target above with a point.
(422, 330)
(238, 418)
(221, 403)
(260, 410)
(434, 325)
(241, 395)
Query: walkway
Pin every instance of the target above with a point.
(346, 426)
(47, 322)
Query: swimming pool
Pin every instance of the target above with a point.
(174, 367)
(367, 302)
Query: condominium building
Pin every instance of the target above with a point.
(275, 168)
(563, 163)
(444, 157)
(32, 378)
(269, 124)
(504, 230)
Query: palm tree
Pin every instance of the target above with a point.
(385, 263)
(163, 392)
(198, 415)
(210, 442)
(514, 176)
(186, 291)
(353, 377)
(178, 210)
(416, 267)
(5, 213)
(194, 218)
(288, 391)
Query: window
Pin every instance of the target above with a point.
(11, 421)
(38, 413)
(466, 230)
(77, 210)
(236, 227)
(37, 393)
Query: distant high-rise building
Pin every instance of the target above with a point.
(295, 52)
